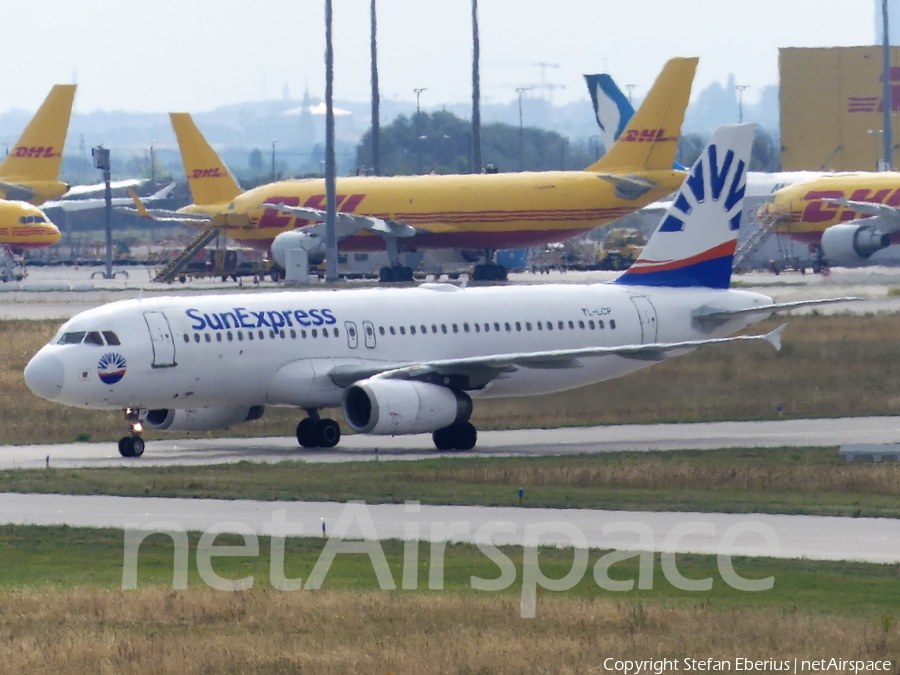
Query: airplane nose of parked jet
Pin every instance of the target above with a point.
(44, 375)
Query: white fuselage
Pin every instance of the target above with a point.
(278, 348)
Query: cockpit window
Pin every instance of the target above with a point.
(72, 338)
(89, 338)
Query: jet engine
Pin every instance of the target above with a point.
(391, 407)
(314, 246)
(199, 419)
(853, 242)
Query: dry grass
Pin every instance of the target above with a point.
(830, 366)
(159, 630)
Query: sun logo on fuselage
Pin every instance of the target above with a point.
(111, 368)
(705, 186)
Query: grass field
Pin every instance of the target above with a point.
(75, 618)
(830, 366)
(772, 480)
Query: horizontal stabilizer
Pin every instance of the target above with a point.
(890, 215)
(709, 318)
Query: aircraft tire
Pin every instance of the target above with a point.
(328, 433)
(406, 274)
(386, 275)
(137, 446)
(464, 436)
(306, 433)
(125, 446)
(443, 438)
(501, 273)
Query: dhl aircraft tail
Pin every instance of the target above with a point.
(38, 153)
(651, 138)
(210, 180)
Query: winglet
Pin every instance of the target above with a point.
(139, 205)
(774, 337)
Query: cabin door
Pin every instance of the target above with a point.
(647, 315)
(161, 338)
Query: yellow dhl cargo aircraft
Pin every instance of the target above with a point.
(844, 218)
(476, 211)
(29, 175)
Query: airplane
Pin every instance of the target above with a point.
(613, 110)
(29, 176)
(30, 172)
(412, 360)
(844, 218)
(481, 211)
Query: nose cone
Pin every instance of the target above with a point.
(44, 375)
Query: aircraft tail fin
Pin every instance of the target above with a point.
(694, 243)
(38, 152)
(209, 179)
(611, 107)
(650, 138)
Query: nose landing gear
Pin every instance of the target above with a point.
(133, 445)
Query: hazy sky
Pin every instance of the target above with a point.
(194, 55)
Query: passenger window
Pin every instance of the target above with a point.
(72, 338)
(218, 337)
(230, 336)
(612, 324)
(187, 338)
(240, 336)
(455, 328)
(111, 338)
(497, 326)
(487, 328)
(282, 334)
(303, 334)
(424, 330)
(581, 324)
(506, 325)
(561, 325)
(549, 325)
(393, 332)
(335, 332)
(591, 324)
(249, 334)
(325, 332)
(599, 324)
(293, 334)
(314, 332)
(381, 330)
(351, 330)
(528, 325)
(197, 338)
(466, 327)
(571, 325)
(207, 337)
(443, 328)
(477, 327)
(540, 326)
(518, 327)
(433, 328)
(402, 330)
(412, 330)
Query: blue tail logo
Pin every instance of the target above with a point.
(695, 242)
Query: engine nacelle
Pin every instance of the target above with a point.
(390, 407)
(199, 419)
(297, 239)
(853, 242)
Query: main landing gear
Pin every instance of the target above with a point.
(459, 436)
(389, 274)
(133, 445)
(489, 271)
(313, 432)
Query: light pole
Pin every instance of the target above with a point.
(520, 91)
(418, 149)
(152, 164)
(740, 90)
(101, 161)
(331, 272)
(273, 159)
(887, 102)
(630, 88)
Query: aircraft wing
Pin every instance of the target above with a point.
(476, 371)
(162, 215)
(346, 224)
(890, 215)
(76, 190)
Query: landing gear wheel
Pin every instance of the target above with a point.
(460, 436)
(328, 433)
(306, 433)
(386, 275)
(131, 446)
